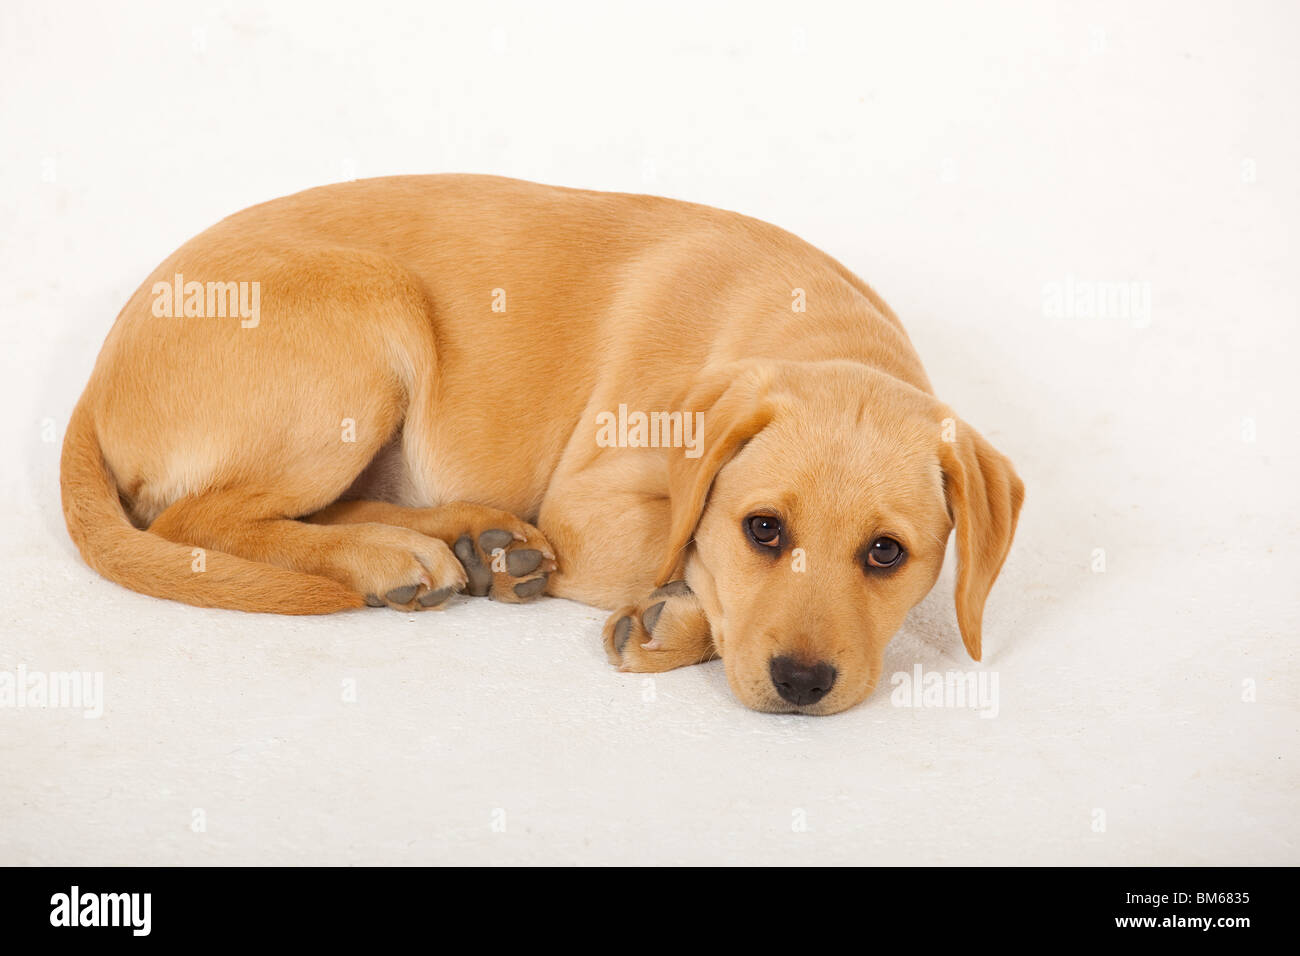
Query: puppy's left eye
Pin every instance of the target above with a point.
(764, 530)
(884, 553)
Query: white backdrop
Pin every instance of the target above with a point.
(975, 163)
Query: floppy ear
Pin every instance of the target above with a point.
(736, 407)
(984, 497)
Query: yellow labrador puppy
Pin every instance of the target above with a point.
(389, 391)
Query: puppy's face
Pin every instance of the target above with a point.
(814, 545)
(826, 522)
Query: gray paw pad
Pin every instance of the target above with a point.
(519, 563)
(672, 589)
(374, 601)
(650, 616)
(479, 574)
(489, 541)
(403, 595)
(527, 589)
(622, 631)
(431, 598)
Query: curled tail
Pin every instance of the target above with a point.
(152, 565)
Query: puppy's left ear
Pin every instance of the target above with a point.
(736, 406)
(984, 498)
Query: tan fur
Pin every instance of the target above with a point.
(376, 308)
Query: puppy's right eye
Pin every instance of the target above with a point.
(764, 530)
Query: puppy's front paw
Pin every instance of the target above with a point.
(666, 630)
(504, 557)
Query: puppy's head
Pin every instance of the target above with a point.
(817, 516)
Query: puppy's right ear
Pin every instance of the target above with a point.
(736, 405)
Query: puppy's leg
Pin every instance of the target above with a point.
(504, 557)
(666, 630)
(392, 566)
(610, 540)
(609, 521)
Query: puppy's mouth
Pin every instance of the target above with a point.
(768, 701)
(779, 707)
(820, 709)
(772, 703)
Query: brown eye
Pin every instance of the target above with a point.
(884, 553)
(764, 530)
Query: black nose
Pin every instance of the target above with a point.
(802, 683)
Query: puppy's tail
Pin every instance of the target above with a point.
(152, 565)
